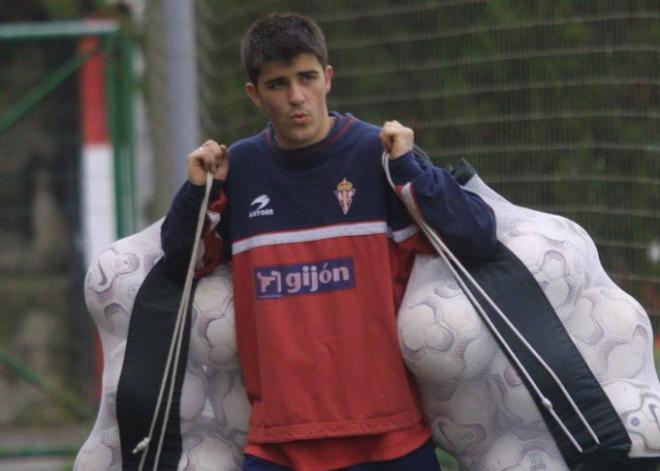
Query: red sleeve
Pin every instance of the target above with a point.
(213, 243)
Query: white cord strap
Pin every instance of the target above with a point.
(453, 263)
(169, 375)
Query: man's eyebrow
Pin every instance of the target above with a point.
(276, 80)
(308, 72)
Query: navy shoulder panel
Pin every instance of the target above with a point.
(243, 148)
(340, 180)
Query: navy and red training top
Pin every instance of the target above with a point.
(321, 251)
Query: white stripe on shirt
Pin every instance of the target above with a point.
(405, 233)
(321, 233)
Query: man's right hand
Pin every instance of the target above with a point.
(210, 157)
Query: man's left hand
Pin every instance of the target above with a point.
(397, 139)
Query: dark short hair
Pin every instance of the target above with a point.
(281, 37)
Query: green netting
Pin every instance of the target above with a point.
(556, 103)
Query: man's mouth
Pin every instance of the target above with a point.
(299, 117)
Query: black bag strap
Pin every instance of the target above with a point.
(153, 321)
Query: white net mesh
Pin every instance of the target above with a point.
(555, 103)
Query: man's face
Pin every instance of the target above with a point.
(293, 97)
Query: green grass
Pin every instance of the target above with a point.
(447, 462)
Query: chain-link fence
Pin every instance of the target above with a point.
(554, 102)
(65, 132)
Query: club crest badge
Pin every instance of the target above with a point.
(344, 194)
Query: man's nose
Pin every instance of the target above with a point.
(296, 95)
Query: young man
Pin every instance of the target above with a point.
(321, 250)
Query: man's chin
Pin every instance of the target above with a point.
(297, 140)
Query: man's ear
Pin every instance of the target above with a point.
(253, 92)
(329, 72)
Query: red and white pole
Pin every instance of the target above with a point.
(97, 176)
(99, 206)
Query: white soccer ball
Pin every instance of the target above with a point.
(638, 405)
(457, 425)
(515, 406)
(556, 263)
(213, 332)
(193, 393)
(440, 334)
(113, 281)
(230, 405)
(205, 450)
(613, 334)
(101, 452)
(523, 451)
